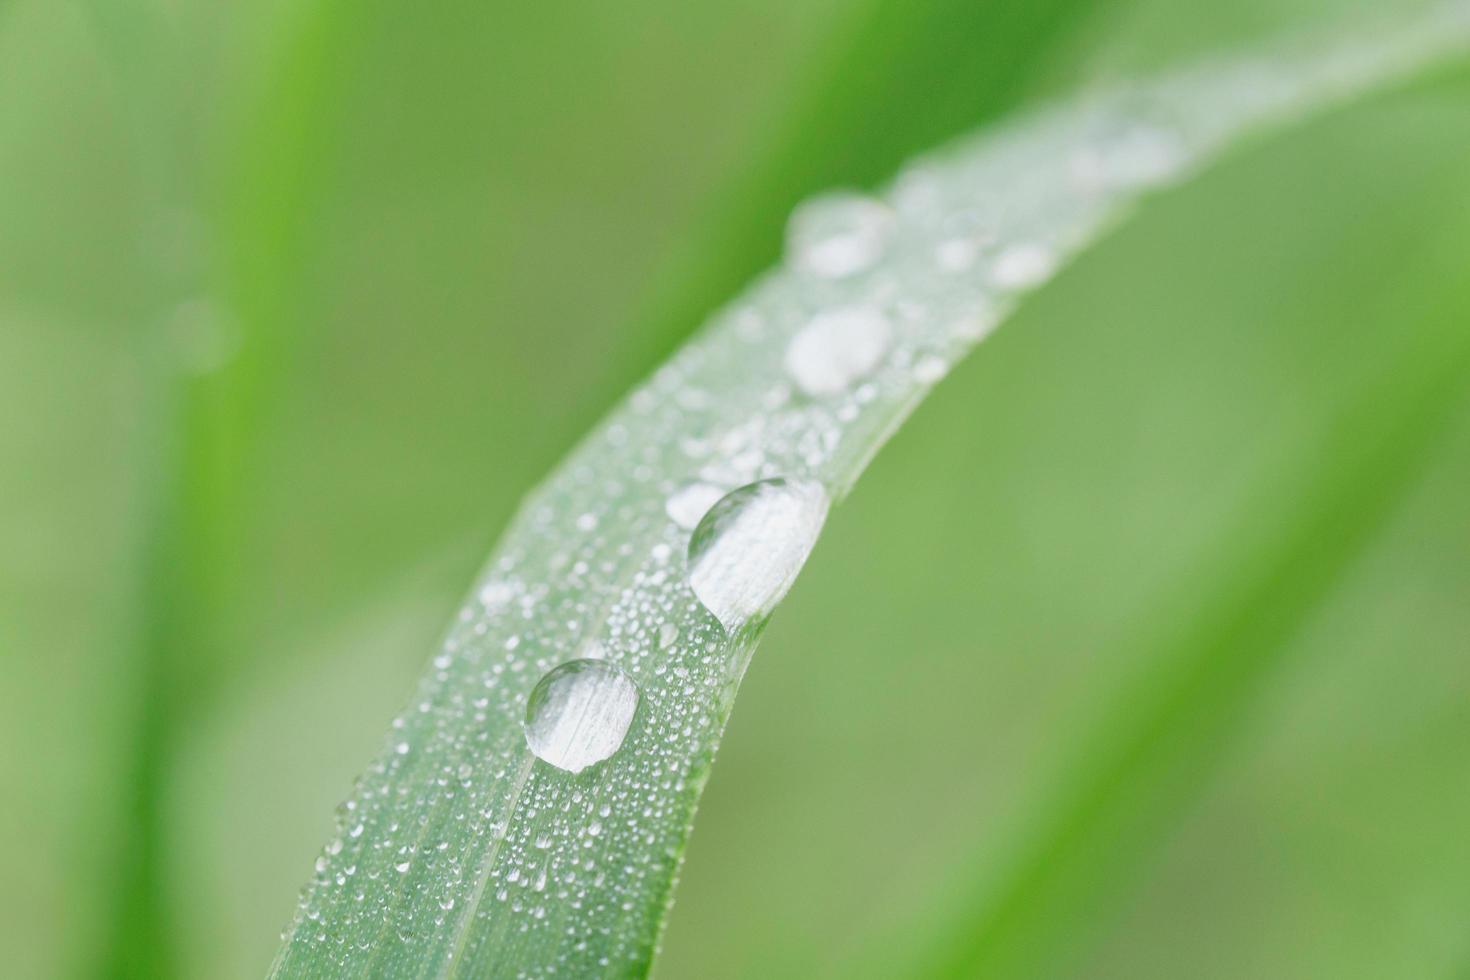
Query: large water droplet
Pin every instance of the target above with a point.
(837, 348)
(579, 713)
(838, 235)
(749, 548)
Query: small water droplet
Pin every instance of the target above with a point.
(667, 634)
(402, 867)
(930, 370)
(1134, 156)
(838, 235)
(1023, 266)
(956, 254)
(690, 502)
(838, 348)
(579, 713)
(749, 548)
(496, 593)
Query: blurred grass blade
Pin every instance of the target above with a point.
(655, 553)
(1160, 741)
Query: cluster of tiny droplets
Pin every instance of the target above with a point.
(460, 853)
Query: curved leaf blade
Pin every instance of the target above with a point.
(461, 854)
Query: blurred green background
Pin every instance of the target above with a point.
(1142, 651)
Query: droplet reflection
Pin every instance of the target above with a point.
(748, 549)
(579, 712)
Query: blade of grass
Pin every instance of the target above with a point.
(463, 854)
(201, 417)
(169, 565)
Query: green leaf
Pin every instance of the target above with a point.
(465, 853)
(986, 608)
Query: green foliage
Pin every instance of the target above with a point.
(217, 584)
(472, 847)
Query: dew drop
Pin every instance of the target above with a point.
(1137, 156)
(749, 548)
(930, 370)
(1023, 266)
(1146, 156)
(838, 348)
(956, 254)
(838, 235)
(579, 713)
(496, 593)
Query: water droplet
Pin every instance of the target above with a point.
(1135, 156)
(749, 548)
(956, 254)
(1023, 266)
(930, 370)
(690, 502)
(837, 235)
(579, 713)
(496, 593)
(837, 348)
(667, 634)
